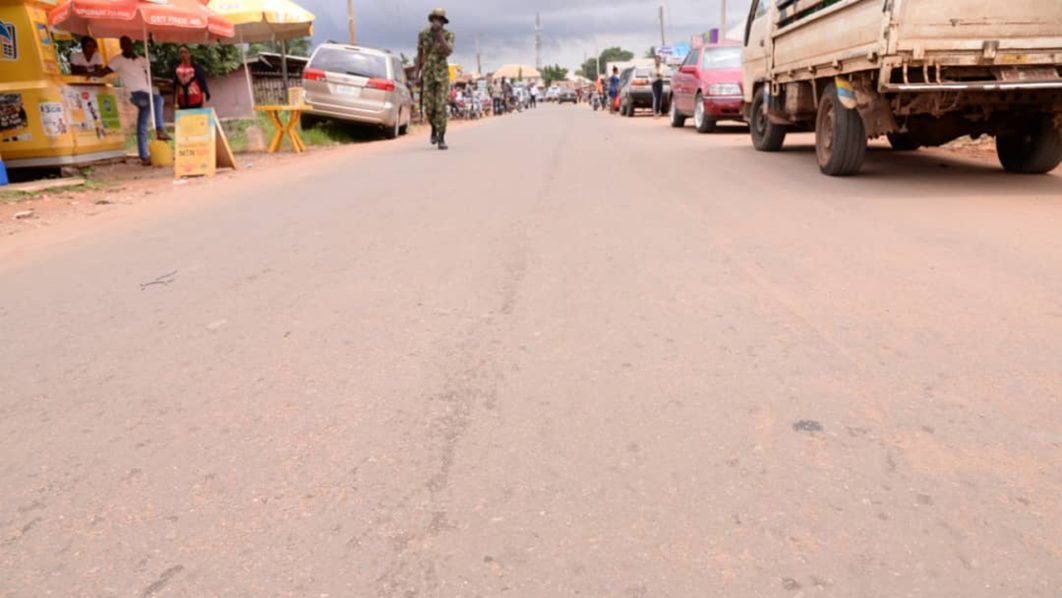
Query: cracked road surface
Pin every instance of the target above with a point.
(575, 355)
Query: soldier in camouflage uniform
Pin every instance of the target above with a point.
(434, 45)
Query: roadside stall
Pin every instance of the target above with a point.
(176, 21)
(271, 21)
(48, 118)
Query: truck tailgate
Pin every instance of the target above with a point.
(940, 25)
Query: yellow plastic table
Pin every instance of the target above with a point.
(282, 128)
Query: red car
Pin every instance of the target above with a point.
(708, 87)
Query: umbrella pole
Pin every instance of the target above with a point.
(151, 86)
(284, 66)
(247, 71)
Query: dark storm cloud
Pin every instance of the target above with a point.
(571, 28)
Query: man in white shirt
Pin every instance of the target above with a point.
(88, 61)
(132, 69)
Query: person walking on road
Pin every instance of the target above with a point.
(533, 92)
(613, 89)
(434, 46)
(496, 96)
(659, 70)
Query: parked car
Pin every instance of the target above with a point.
(359, 85)
(637, 91)
(624, 78)
(553, 93)
(567, 95)
(921, 73)
(707, 87)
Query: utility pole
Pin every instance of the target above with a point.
(350, 23)
(663, 40)
(479, 63)
(538, 42)
(722, 24)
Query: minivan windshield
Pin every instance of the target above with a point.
(728, 57)
(350, 62)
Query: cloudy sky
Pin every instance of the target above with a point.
(572, 29)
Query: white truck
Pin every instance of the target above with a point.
(921, 72)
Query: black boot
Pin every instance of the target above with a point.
(442, 141)
(434, 135)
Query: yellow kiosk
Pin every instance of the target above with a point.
(48, 118)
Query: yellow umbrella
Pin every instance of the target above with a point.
(265, 21)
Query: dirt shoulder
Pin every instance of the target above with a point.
(126, 191)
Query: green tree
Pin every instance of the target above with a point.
(214, 58)
(615, 54)
(296, 47)
(588, 69)
(553, 73)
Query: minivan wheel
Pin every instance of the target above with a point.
(1034, 148)
(840, 137)
(766, 136)
(404, 129)
(677, 120)
(700, 119)
(392, 131)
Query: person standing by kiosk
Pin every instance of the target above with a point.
(434, 46)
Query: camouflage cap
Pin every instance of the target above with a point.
(438, 13)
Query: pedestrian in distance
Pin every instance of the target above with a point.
(659, 70)
(434, 46)
(613, 89)
(132, 69)
(189, 82)
(533, 92)
(496, 92)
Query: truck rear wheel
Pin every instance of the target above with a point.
(840, 138)
(1036, 148)
(766, 136)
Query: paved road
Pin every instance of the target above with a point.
(577, 355)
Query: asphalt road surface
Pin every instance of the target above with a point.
(576, 355)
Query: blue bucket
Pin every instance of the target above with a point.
(3, 174)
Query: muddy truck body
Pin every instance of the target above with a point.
(921, 72)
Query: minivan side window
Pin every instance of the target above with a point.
(693, 57)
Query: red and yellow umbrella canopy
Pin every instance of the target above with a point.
(175, 21)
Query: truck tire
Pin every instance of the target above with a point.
(705, 124)
(630, 107)
(1037, 149)
(677, 120)
(766, 136)
(840, 137)
(902, 142)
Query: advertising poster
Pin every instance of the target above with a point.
(196, 149)
(8, 41)
(108, 103)
(53, 119)
(14, 123)
(85, 114)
